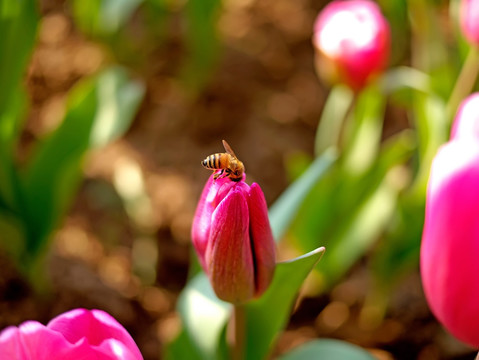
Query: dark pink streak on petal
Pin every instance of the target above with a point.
(263, 245)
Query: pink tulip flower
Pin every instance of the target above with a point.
(450, 240)
(469, 20)
(466, 123)
(233, 239)
(352, 39)
(75, 335)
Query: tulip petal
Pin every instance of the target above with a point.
(229, 257)
(466, 122)
(450, 241)
(11, 347)
(264, 251)
(32, 340)
(95, 326)
(353, 41)
(116, 349)
(213, 192)
(469, 20)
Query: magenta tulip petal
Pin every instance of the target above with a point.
(32, 340)
(229, 257)
(117, 349)
(469, 20)
(262, 237)
(11, 344)
(95, 325)
(450, 241)
(213, 192)
(76, 335)
(200, 230)
(352, 39)
(232, 237)
(466, 123)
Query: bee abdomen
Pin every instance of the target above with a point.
(212, 162)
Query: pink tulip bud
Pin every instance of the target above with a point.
(233, 239)
(469, 20)
(352, 39)
(450, 240)
(466, 123)
(76, 334)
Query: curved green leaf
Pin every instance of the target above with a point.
(284, 210)
(203, 314)
(94, 115)
(103, 17)
(18, 26)
(268, 315)
(118, 99)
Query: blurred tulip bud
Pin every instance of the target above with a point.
(469, 20)
(352, 41)
(466, 123)
(76, 334)
(233, 239)
(450, 240)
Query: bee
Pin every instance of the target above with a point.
(227, 162)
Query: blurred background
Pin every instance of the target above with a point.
(191, 73)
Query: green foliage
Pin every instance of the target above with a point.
(201, 40)
(109, 20)
(285, 209)
(35, 196)
(198, 305)
(103, 17)
(204, 316)
(18, 26)
(268, 315)
(98, 111)
(327, 349)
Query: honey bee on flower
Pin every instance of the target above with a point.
(227, 162)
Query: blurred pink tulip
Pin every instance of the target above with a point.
(233, 239)
(352, 39)
(469, 20)
(75, 335)
(450, 240)
(466, 123)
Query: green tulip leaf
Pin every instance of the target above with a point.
(103, 17)
(284, 210)
(118, 99)
(18, 26)
(181, 348)
(327, 349)
(202, 43)
(268, 315)
(204, 316)
(53, 173)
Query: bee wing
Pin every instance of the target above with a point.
(228, 149)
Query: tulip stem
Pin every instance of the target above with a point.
(465, 82)
(240, 332)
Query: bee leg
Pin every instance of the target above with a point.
(217, 175)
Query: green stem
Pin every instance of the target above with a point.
(465, 82)
(337, 108)
(240, 332)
